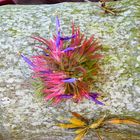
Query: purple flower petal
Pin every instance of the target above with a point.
(70, 80)
(58, 32)
(68, 49)
(58, 41)
(94, 94)
(67, 38)
(47, 71)
(66, 96)
(57, 23)
(27, 60)
(97, 101)
(94, 97)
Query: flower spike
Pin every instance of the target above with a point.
(71, 80)
(58, 32)
(68, 38)
(27, 60)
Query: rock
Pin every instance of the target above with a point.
(4, 2)
(138, 58)
(120, 82)
(11, 80)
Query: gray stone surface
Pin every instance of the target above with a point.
(26, 117)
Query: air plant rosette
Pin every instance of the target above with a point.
(83, 126)
(67, 67)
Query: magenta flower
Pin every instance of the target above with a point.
(67, 71)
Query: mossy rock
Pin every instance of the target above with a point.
(27, 117)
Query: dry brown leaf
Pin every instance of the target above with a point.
(124, 121)
(75, 114)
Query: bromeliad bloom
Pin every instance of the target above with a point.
(67, 66)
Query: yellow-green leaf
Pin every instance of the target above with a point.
(124, 121)
(81, 135)
(81, 130)
(67, 126)
(77, 122)
(98, 122)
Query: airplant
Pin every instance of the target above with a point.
(110, 10)
(83, 126)
(67, 66)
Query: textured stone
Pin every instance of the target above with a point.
(27, 117)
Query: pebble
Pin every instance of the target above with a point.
(11, 80)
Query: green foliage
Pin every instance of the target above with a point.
(38, 84)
